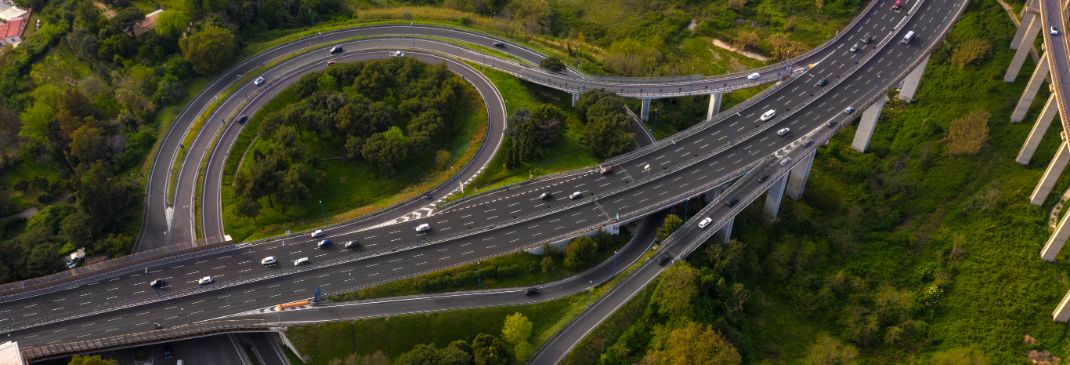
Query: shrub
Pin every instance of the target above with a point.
(970, 51)
(966, 135)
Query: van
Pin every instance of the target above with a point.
(423, 228)
(301, 261)
(769, 114)
(705, 223)
(908, 37)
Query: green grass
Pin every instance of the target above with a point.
(352, 188)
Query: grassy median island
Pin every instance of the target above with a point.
(922, 250)
(358, 137)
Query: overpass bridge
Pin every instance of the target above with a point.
(730, 148)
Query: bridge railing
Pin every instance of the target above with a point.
(200, 329)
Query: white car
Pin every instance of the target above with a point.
(576, 195)
(317, 233)
(301, 261)
(205, 280)
(849, 110)
(786, 161)
(705, 223)
(754, 76)
(769, 114)
(1053, 30)
(268, 261)
(783, 132)
(259, 81)
(423, 228)
(398, 54)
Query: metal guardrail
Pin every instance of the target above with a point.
(201, 329)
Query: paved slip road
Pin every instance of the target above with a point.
(684, 165)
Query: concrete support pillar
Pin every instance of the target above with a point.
(1051, 109)
(1040, 75)
(868, 124)
(644, 113)
(1051, 175)
(773, 196)
(1057, 240)
(575, 98)
(715, 105)
(911, 82)
(799, 174)
(1032, 29)
(1062, 312)
(1027, 17)
(712, 195)
(725, 234)
(613, 229)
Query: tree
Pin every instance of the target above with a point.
(488, 350)
(671, 223)
(967, 135)
(676, 286)
(125, 20)
(427, 354)
(609, 135)
(784, 48)
(579, 252)
(171, 23)
(88, 144)
(970, 51)
(745, 39)
(695, 344)
(109, 200)
(534, 16)
(209, 49)
(517, 328)
(530, 131)
(91, 360)
(386, 150)
(552, 63)
(827, 350)
(547, 264)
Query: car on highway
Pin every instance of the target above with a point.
(786, 161)
(301, 261)
(398, 54)
(241, 119)
(855, 48)
(533, 291)
(769, 114)
(849, 110)
(732, 202)
(330, 62)
(867, 39)
(808, 143)
(831, 124)
(575, 195)
(423, 228)
(754, 76)
(1053, 30)
(317, 233)
(705, 222)
(336, 49)
(763, 178)
(606, 169)
(156, 325)
(783, 131)
(907, 38)
(499, 44)
(158, 283)
(324, 244)
(898, 5)
(665, 260)
(206, 280)
(822, 82)
(351, 245)
(259, 81)
(545, 195)
(268, 261)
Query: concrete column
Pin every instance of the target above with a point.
(773, 196)
(575, 98)
(1027, 17)
(799, 174)
(1057, 240)
(1028, 38)
(613, 229)
(644, 113)
(715, 105)
(1051, 175)
(1062, 312)
(725, 234)
(712, 195)
(911, 82)
(1051, 109)
(1040, 74)
(868, 124)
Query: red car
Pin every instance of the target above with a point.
(898, 4)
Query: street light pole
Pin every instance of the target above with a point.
(589, 288)
(322, 212)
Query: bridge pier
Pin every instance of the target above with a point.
(1051, 175)
(1029, 36)
(1047, 115)
(1057, 240)
(644, 112)
(1062, 312)
(715, 105)
(798, 176)
(1040, 75)
(725, 234)
(613, 229)
(1027, 17)
(773, 196)
(868, 124)
(912, 81)
(575, 99)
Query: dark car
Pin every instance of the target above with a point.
(545, 196)
(830, 124)
(867, 39)
(351, 245)
(242, 119)
(336, 49)
(499, 44)
(822, 82)
(533, 291)
(158, 283)
(763, 178)
(732, 202)
(665, 260)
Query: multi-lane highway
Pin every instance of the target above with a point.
(507, 220)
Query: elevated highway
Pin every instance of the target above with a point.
(694, 162)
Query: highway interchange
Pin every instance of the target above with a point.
(504, 221)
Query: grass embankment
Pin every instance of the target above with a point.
(354, 188)
(949, 241)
